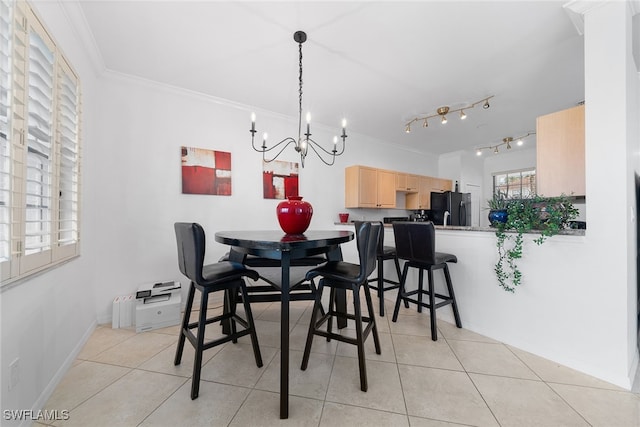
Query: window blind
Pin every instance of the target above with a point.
(40, 128)
(68, 160)
(6, 17)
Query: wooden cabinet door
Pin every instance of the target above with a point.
(401, 181)
(386, 191)
(426, 185)
(360, 189)
(560, 153)
(368, 188)
(406, 182)
(413, 182)
(441, 184)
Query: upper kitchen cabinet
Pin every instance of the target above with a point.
(560, 153)
(367, 187)
(406, 182)
(427, 184)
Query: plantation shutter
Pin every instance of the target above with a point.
(37, 246)
(40, 128)
(68, 165)
(6, 45)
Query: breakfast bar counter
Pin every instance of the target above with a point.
(556, 312)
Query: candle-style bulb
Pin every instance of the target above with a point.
(253, 123)
(253, 117)
(264, 136)
(344, 123)
(308, 118)
(335, 141)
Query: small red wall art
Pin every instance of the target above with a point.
(206, 171)
(279, 179)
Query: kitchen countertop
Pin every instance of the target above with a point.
(567, 232)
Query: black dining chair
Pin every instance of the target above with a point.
(350, 277)
(416, 243)
(385, 253)
(223, 276)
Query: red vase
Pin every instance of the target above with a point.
(294, 215)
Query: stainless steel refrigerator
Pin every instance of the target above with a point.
(457, 204)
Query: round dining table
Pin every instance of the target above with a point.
(276, 245)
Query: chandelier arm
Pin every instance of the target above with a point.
(313, 146)
(264, 157)
(288, 140)
(331, 153)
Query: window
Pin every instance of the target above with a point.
(39, 147)
(516, 184)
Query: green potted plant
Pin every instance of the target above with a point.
(545, 215)
(498, 209)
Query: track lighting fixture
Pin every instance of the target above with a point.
(443, 111)
(506, 141)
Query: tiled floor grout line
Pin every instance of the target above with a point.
(301, 321)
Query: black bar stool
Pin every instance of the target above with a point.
(222, 276)
(416, 243)
(347, 276)
(385, 253)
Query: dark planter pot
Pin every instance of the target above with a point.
(496, 216)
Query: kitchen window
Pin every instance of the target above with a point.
(39, 147)
(515, 184)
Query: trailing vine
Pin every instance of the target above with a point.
(546, 215)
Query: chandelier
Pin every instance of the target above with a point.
(303, 142)
(506, 142)
(443, 111)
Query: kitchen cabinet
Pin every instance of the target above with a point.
(426, 184)
(560, 162)
(406, 182)
(367, 187)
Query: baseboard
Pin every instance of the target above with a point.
(635, 373)
(48, 390)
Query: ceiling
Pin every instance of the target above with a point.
(379, 64)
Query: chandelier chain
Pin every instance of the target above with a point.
(300, 92)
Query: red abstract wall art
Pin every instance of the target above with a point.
(206, 171)
(279, 179)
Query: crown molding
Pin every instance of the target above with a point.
(577, 8)
(78, 22)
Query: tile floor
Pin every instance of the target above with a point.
(126, 379)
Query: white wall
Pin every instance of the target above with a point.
(139, 178)
(611, 115)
